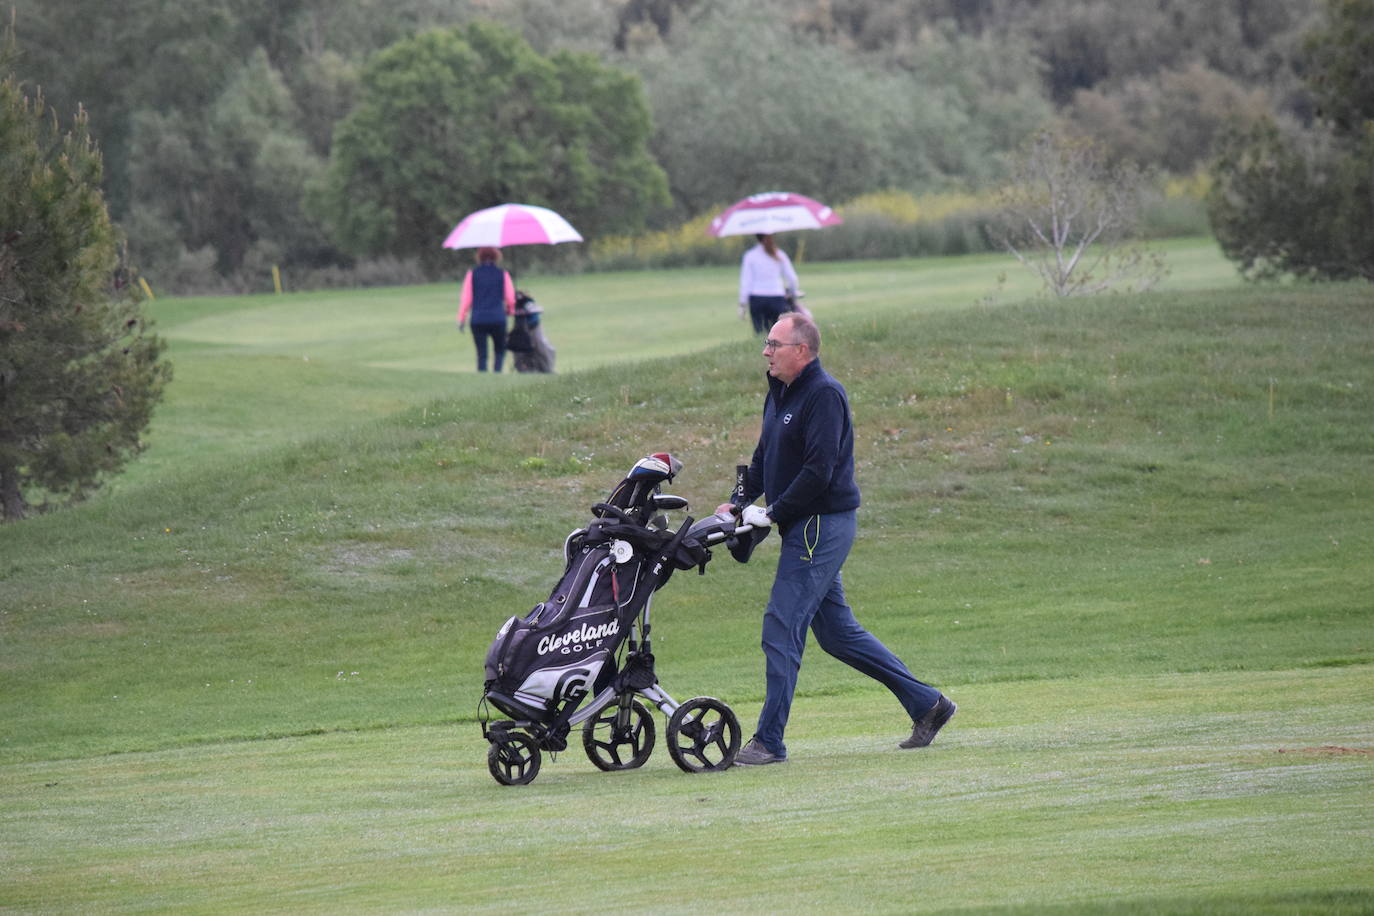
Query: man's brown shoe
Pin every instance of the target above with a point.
(923, 729)
(754, 754)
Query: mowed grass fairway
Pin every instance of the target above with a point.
(1131, 536)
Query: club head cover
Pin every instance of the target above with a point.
(741, 546)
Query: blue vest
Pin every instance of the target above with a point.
(488, 295)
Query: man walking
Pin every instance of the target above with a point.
(804, 467)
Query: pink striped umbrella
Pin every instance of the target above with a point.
(772, 211)
(511, 224)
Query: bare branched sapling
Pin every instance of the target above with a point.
(1071, 217)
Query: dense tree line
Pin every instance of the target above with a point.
(228, 126)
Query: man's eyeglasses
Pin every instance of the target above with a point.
(774, 344)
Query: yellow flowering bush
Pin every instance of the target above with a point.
(881, 224)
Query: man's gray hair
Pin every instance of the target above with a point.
(805, 330)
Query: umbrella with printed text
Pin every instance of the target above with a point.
(772, 211)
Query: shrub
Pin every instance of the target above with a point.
(887, 224)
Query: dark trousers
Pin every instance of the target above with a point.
(766, 310)
(808, 593)
(497, 334)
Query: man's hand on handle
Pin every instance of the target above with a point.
(755, 516)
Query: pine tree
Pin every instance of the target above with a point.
(80, 371)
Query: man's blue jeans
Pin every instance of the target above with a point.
(807, 592)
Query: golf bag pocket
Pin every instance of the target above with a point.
(534, 667)
(550, 689)
(518, 340)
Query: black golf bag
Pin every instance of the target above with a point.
(590, 638)
(533, 352)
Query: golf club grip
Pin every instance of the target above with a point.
(741, 481)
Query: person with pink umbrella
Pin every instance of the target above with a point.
(489, 297)
(767, 280)
(488, 291)
(767, 283)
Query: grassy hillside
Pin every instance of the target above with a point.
(262, 370)
(1130, 535)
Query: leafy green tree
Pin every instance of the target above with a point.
(643, 23)
(1089, 44)
(1301, 202)
(79, 370)
(229, 178)
(1284, 203)
(116, 60)
(1101, 44)
(1175, 120)
(1339, 65)
(460, 119)
(744, 103)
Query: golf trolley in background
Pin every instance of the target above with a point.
(591, 638)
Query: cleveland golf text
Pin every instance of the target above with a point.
(572, 640)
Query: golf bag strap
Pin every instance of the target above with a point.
(600, 531)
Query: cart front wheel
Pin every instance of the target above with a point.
(703, 735)
(513, 758)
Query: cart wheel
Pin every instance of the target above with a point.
(614, 747)
(513, 758)
(703, 734)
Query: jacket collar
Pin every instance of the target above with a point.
(780, 390)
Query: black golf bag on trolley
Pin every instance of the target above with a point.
(590, 639)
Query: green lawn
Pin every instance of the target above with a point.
(1129, 535)
(1214, 792)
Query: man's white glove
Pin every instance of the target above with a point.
(756, 516)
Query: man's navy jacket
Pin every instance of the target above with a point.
(804, 462)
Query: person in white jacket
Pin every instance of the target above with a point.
(767, 283)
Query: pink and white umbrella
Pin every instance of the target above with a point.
(772, 211)
(511, 224)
